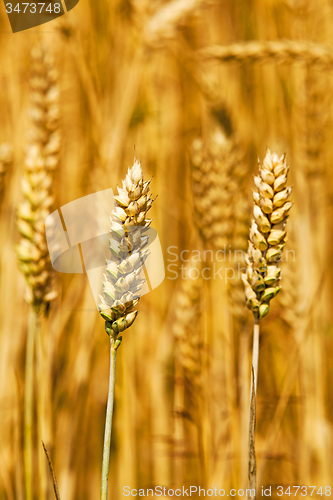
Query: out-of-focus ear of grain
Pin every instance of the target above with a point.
(127, 78)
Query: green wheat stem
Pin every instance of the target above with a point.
(108, 421)
(252, 412)
(33, 325)
(40, 405)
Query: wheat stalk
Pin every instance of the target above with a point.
(188, 356)
(279, 52)
(222, 213)
(123, 279)
(40, 162)
(187, 312)
(261, 282)
(238, 241)
(54, 479)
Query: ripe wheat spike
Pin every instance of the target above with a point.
(124, 274)
(268, 234)
(267, 238)
(277, 51)
(42, 158)
(123, 279)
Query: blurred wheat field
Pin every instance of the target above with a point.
(159, 76)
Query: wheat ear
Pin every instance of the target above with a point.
(123, 279)
(219, 198)
(217, 171)
(40, 162)
(277, 51)
(261, 282)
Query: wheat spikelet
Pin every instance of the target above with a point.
(279, 52)
(40, 162)
(124, 274)
(267, 234)
(6, 159)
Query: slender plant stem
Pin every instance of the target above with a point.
(201, 449)
(42, 433)
(33, 324)
(108, 422)
(252, 413)
(243, 402)
(54, 479)
(179, 431)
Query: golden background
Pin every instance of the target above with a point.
(155, 75)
